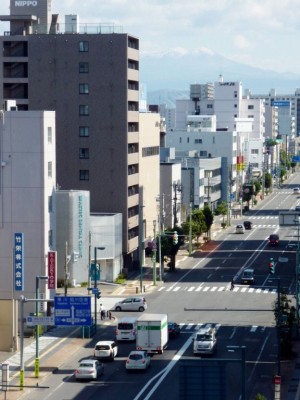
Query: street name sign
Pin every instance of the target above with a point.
(72, 310)
(34, 321)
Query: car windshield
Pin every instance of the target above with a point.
(86, 365)
(135, 357)
(203, 336)
(102, 347)
(125, 326)
(247, 274)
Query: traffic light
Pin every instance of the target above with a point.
(271, 266)
(175, 237)
(98, 295)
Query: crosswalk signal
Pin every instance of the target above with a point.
(98, 295)
(175, 237)
(271, 266)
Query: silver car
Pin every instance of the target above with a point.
(131, 304)
(89, 369)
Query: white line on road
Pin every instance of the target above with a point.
(164, 372)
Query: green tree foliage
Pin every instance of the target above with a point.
(209, 217)
(268, 180)
(198, 224)
(257, 187)
(168, 248)
(222, 209)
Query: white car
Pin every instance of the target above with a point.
(296, 190)
(89, 369)
(131, 304)
(106, 349)
(240, 229)
(137, 360)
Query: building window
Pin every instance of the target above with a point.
(50, 169)
(150, 151)
(83, 110)
(83, 67)
(188, 140)
(83, 88)
(83, 46)
(84, 131)
(84, 153)
(235, 106)
(254, 151)
(84, 174)
(251, 107)
(50, 204)
(50, 238)
(198, 141)
(50, 134)
(209, 106)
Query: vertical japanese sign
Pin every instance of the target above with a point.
(52, 257)
(19, 261)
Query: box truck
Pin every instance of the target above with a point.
(152, 333)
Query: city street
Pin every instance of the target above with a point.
(198, 294)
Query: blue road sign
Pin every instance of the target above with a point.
(95, 290)
(72, 310)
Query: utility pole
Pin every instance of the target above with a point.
(141, 240)
(177, 188)
(89, 266)
(190, 232)
(154, 252)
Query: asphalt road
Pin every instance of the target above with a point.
(199, 294)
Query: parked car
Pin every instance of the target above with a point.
(239, 228)
(247, 224)
(131, 304)
(89, 369)
(137, 360)
(173, 329)
(248, 276)
(106, 349)
(296, 190)
(297, 208)
(273, 240)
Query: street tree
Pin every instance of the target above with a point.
(208, 217)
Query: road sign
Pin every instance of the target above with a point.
(34, 321)
(72, 310)
(95, 290)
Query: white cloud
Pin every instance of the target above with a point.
(255, 30)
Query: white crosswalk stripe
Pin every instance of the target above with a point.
(193, 327)
(219, 289)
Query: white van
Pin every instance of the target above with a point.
(126, 329)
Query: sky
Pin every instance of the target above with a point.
(259, 33)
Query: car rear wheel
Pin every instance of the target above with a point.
(118, 308)
(141, 309)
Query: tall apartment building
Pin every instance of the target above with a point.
(90, 78)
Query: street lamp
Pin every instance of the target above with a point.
(37, 295)
(278, 323)
(95, 282)
(243, 365)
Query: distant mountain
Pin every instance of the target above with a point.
(171, 74)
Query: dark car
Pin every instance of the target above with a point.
(248, 276)
(174, 329)
(247, 224)
(273, 240)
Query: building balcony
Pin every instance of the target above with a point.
(133, 200)
(132, 244)
(133, 74)
(133, 158)
(133, 137)
(133, 221)
(133, 179)
(133, 95)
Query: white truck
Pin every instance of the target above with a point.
(152, 333)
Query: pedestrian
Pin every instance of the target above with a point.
(102, 311)
(232, 285)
